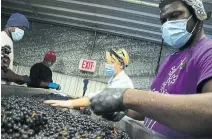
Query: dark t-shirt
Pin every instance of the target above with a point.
(39, 72)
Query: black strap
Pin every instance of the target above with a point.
(117, 56)
(158, 63)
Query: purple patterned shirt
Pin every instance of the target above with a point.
(174, 77)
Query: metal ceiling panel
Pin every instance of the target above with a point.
(134, 18)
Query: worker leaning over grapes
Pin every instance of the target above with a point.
(14, 31)
(41, 74)
(116, 62)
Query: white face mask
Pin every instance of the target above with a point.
(18, 34)
(49, 63)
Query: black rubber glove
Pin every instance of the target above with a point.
(5, 62)
(115, 117)
(108, 101)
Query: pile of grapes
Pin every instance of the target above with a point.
(29, 118)
(86, 111)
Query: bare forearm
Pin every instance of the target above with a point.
(81, 102)
(190, 114)
(135, 115)
(10, 76)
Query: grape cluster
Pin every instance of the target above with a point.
(19, 118)
(85, 111)
(29, 118)
(51, 96)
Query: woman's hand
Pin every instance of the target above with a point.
(59, 103)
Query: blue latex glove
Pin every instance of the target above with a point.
(54, 86)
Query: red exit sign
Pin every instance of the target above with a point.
(87, 65)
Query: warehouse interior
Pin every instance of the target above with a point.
(77, 29)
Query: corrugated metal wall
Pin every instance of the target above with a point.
(70, 85)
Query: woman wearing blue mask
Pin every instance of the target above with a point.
(116, 61)
(14, 31)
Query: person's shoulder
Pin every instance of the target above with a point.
(6, 40)
(121, 77)
(36, 65)
(3, 33)
(126, 79)
(204, 47)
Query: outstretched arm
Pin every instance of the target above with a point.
(191, 114)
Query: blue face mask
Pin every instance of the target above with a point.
(18, 34)
(109, 69)
(175, 34)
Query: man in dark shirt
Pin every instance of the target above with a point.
(41, 74)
